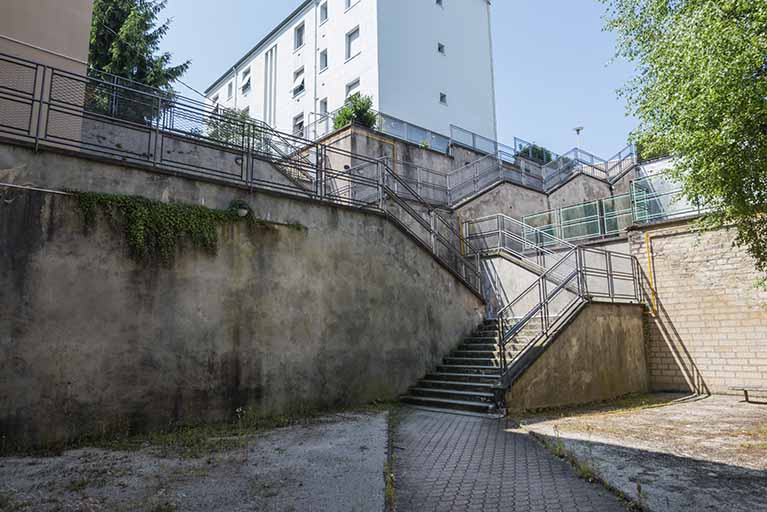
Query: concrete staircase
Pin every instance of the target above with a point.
(469, 378)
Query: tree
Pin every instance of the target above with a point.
(358, 110)
(125, 41)
(699, 93)
(228, 126)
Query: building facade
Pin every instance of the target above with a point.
(427, 62)
(50, 32)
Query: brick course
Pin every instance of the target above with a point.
(710, 329)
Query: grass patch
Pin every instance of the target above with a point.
(164, 507)
(198, 441)
(78, 485)
(625, 405)
(390, 497)
(586, 472)
(10, 504)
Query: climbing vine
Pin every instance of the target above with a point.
(155, 230)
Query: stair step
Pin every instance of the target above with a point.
(480, 339)
(474, 354)
(454, 394)
(457, 384)
(444, 403)
(464, 377)
(481, 347)
(485, 362)
(464, 368)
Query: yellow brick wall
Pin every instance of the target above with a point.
(709, 331)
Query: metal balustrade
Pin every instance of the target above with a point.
(111, 118)
(657, 198)
(585, 221)
(568, 277)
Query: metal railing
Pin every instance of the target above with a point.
(657, 198)
(502, 234)
(506, 153)
(324, 124)
(580, 276)
(568, 276)
(46, 107)
(601, 218)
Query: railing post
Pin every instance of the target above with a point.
(609, 270)
(433, 224)
(380, 179)
(159, 126)
(320, 171)
(40, 106)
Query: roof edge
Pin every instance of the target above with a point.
(260, 44)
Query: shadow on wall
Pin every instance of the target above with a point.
(492, 288)
(661, 481)
(664, 343)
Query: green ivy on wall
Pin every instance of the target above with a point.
(155, 230)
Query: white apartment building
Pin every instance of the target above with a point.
(426, 62)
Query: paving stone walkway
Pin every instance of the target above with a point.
(452, 463)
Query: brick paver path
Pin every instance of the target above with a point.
(447, 462)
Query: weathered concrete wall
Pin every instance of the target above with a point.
(506, 198)
(599, 356)
(580, 189)
(343, 311)
(709, 330)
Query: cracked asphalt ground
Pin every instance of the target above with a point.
(333, 464)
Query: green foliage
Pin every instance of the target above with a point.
(154, 230)
(700, 94)
(537, 153)
(228, 126)
(125, 41)
(357, 110)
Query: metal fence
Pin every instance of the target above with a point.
(110, 118)
(390, 125)
(579, 276)
(594, 219)
(657, 198)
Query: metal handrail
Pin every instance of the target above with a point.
(52, 108)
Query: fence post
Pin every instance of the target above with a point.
(40, 106)
(380, 180)
(433, 228)
(609, 269)
(159, 125)
(319, 171)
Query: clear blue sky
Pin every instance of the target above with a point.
(552, 60)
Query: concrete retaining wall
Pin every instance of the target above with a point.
(345, 310)
(599, 356)
(709, 332)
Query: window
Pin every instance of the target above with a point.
(443, 98)
(298, 125)
(353, 43)
(352, 87)
(324, 107)
(298, 36)
(350, 3)
(245, 81)
(441, 48)
(324, 12)
(299, 82)
(229, 90)
(323, 60)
